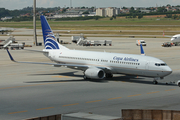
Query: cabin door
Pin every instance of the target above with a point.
(147, 65)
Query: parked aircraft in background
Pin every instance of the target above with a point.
(174, 39)
(6, 30)
(98, 65)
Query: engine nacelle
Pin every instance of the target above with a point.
(178, 83)
(94, 73)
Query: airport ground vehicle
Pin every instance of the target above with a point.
(96, 42)
(142, 42)
(16, 46)
(167, 44)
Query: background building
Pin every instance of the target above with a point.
(100, 12)
(110, 12)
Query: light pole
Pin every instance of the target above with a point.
(34, 23)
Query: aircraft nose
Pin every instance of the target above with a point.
(168, 70)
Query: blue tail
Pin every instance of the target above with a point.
(48, 36)
(142, 50)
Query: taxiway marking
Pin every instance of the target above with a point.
(153, 92)
(76, 103)
(170, 90)
(134, 95)
(114, 98)
(17, 112)
(70, 104)
(45, 108)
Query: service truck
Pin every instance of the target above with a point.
(138, 42)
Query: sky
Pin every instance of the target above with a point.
(19, 4)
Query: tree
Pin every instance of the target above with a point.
(97, 18)
(175, 16)
(168, 16)
(134, 15)
(124, 8)
(83, 7)
(162, 9)
(111, 18)
(132, 10)
(64, 10)
(114, 16)
(140, 16)
(168, 5)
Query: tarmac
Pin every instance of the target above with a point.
(29, 91)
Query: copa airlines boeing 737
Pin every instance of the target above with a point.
(98, 65)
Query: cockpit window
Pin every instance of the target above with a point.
(163, 64)
(157, 64)
(160, 64)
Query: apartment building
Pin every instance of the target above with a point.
(107, 12)
(110, 12)
(100, 12)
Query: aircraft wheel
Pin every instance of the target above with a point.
(155, 82)
(85, 78)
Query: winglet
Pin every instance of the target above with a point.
(142, 50)
(10, 55)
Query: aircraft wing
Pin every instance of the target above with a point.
(167, 36)
(74, 66)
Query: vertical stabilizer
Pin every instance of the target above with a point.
(142, 50)
(48, 36)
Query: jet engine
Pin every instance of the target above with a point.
(94, 73)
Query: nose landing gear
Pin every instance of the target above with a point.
(155, 80)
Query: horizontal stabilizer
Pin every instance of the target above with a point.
(37, 51)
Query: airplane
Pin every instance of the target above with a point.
(174, 38)
(99, 65)
(6, 30)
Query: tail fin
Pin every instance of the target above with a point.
(48, 36)
(142, 50)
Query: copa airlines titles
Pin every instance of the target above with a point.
(125, 59)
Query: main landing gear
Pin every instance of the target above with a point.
(155, 82)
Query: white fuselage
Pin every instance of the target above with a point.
(117, 63)
(175, 38)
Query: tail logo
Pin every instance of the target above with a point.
(49, 38)
(50, 41)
